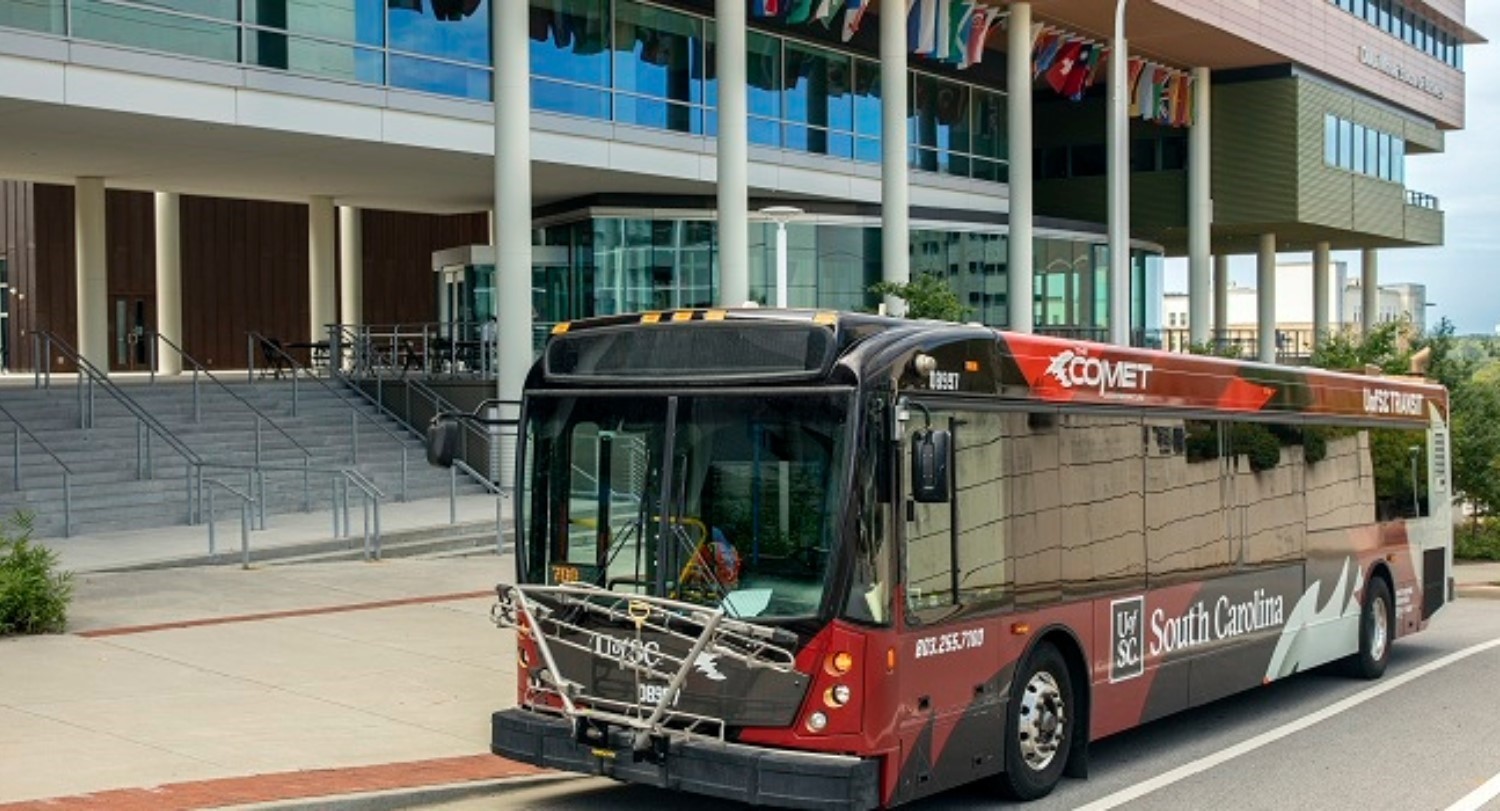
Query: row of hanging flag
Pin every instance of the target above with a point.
(950, 31)
(796, 12)
(955, 32)
(1071, 65)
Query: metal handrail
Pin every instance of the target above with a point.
(87, 370)
(199, 367)
(257, 339)
(247, 509)
(67, 472)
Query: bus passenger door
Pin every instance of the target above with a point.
(949, 703)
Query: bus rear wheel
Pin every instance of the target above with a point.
(1374, 632)
(1039, 725)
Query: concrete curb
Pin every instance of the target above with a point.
(1479, 591)
(403, 798)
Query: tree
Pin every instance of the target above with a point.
(926, 296)
(1476, 442)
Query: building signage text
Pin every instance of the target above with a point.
(1398, 70)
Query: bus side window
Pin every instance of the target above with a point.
(980, 471)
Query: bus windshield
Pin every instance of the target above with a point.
(727, 501)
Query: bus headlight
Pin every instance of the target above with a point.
(837, 695)
(817, 722)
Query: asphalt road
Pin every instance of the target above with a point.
(1426, 736)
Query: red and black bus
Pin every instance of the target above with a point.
(829, 560)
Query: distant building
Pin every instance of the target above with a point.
(1294, 308)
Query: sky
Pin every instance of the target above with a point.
(1462, 276)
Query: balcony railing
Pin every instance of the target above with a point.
(1422, 200)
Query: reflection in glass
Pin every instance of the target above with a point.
(448, 79)
(658, 55)
(329, 60)
(46, 16)
(818, 95)
(156, 31)
(458, 30)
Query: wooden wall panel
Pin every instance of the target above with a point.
(16, 247)
(398, 247)
(244, 267)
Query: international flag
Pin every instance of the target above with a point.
(1133, 83)
(1143, 99)
(960, 19)
(1046, 53)
(979, 32)
(926, 15)
(800, 11)
(854, 15)
(827, 10)
(1078, 77)
(769, 8)
(1064, 64)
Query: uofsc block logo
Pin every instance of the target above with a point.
(1127, 635)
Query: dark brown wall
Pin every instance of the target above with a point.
(244, 267)
(398, 248)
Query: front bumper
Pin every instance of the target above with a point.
(749, 774)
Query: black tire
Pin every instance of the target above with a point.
(1039, 725)
(1375, 627)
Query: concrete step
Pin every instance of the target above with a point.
(469, 537)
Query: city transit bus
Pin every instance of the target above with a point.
(832, 560)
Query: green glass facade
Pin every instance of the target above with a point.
(602, 265)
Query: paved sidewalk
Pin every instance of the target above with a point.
(115, 550)
(216, 686)
(1476, 579)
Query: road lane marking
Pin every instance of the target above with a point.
(1479, 796)
(1203, 764)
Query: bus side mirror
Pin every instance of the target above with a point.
(442, 440)
(931, 452)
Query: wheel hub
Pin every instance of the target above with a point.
(1041, 716)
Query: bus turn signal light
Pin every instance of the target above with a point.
(839, 663)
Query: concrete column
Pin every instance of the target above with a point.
(1018, 115)
(351, 266)
(733, 154)
(512, 234)
(895, 221)
(1200, 212)
(1265, 298)
(168, 281)
(1118, 139)
(322, 246)
(1369, 291)
(92, 271)
(1221, 297)
(1320, 294)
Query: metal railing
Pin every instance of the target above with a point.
(198, 368)
(1422, 200)
(67, 472)
(247, 509)
(89, 376)
(298, 371)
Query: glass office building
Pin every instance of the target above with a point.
(651, 65)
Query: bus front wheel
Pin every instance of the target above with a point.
(1374, 632)
(1039, 725)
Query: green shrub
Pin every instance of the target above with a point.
(34, 596)
(1477, 541)
(1258, 443)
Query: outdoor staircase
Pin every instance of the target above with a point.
(106, 492)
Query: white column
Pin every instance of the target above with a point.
(733, 154)
(168, 280)
(1221, 297)
(351, 266)
(1320, 293)
(1018, 114)
(512, 235)
(92, 271)
(1118, 127)
(1200, 211)
(322, 246)
(1369, 291)
(895, 237)
(1265, 298)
